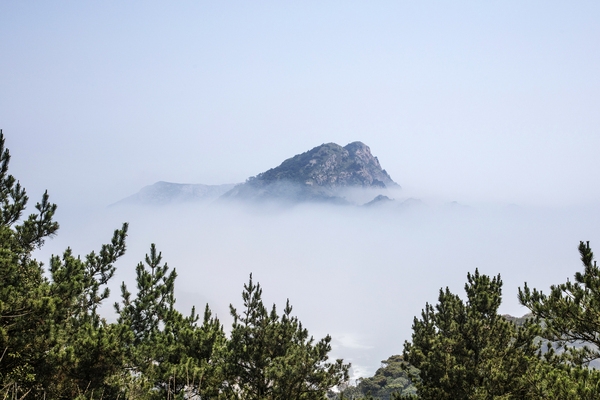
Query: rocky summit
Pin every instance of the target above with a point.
(320, 174)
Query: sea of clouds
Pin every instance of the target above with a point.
(360, 274)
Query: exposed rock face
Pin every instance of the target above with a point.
(318, 174)
(331, 165)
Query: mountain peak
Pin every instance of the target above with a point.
(318, 174)
(331, 165)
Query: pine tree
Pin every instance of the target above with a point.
(23, 288)
(167, 354)
(570, 317)
(467, 350)
(272, 357)
(571, 312)
(53, 343)
(84, 349)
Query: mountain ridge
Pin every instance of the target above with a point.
(163, 193)
(319, 174)
(320, 166)
(325, 173)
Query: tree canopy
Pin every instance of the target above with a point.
(569, 319)
(571, 312)
(273, 357)
(466, 350)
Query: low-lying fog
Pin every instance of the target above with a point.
(360, 274)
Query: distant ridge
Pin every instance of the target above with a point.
(162, 193)
(327, 173)
(320, 174)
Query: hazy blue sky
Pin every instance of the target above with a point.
(494, 101)
(480, 102)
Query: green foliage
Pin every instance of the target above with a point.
(83, 347)
(24, 291)
(53, 344)
(272, 357)
(392, 377)
(550, 378)
(467, 350)
(168, 355)
(570, 320)
(571, 312)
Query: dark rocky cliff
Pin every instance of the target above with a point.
(319, 174)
